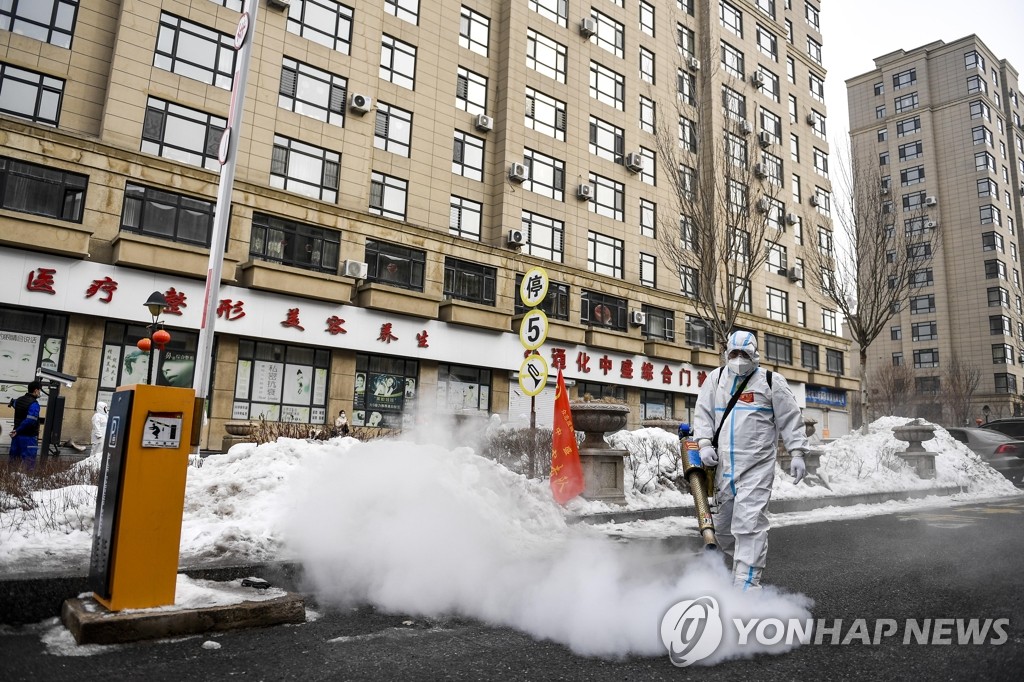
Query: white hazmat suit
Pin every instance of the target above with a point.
(746, 451)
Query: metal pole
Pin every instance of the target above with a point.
(149, 369)
(222, 212)
(533, 436)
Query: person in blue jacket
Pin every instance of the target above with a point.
(25, 436)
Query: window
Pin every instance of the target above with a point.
(995, 269)
(545, 56)
(597, 309)
(661, 323)
(648, 218)
(973, 60)
(904, 79)
(913, 201)
(732, 60)
(911, 150)
(52, 23)
(555, 305)
(279, 382)
(828, 321)
(817, 86)
(687, 233)
(312, 92)
(926, 358)
(771, 124)
(462, 390)
(465, 217)
(920, 278)
(466, 281)
(688, 282)
(326, 22)
(731, 18)
(767, 6)
(999, 325)
(741, 293)
(468, 156)
(883, 159)
(29, 94)
(879, 89)
(811, 14)
(1002, 354)
(912, 176)
(555, 10)
(771, 84)
(395, 265)
(814, 50)
(880, 111)
(778, 259)
(688, 138)
(834, 361)
(646, 18)
(606, 140)
(655, 404)
(471, 92)
(545, 236)
(398, 62)
(734, 103)
(897, 359)
(908, 126)
(609, 197)
(920, 305)
(926, 385)
(976, 84)
(393, 129)
(474, 31)
(883, 135)
(698, 333)
(547, 115)
(735, 146)
(545, 174)
(778, 305)
(989, 215)
(778, 349)
(605, 254)
(987, 187)
(299, 245)
(980, 109)
(598, 390)
(895, 332)
(648, 270)
(983, 161)
(647, 115)
(981, 135)
(610, 34)
(194, 51)
(992, 241)
(407, 10)
(768, 42)
(41, 190)
(607, 86)
(772, 166)
(685, 41)
(1005, 383)
(304, 169)
(906, 103)
(925, 331)
(383, 385)
(998, 297)
(182, 134)
(649, 173)
(820, 162)
(166, 215)
(791, 70)
(824, 198)
(388, 195)
(809, 357)
(794, 147)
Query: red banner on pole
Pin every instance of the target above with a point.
(566, 472)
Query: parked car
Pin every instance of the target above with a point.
(1003, 453)
(1011, 426)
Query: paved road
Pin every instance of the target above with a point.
(958, 562)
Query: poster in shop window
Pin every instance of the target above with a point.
(298, 384)
(266, 381)
(242, 379)
(18, 354)
(386, 392)
(111, 361)
(176, 369)
(134, 366)
(320, 387)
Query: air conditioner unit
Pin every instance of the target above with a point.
(812, 119)
(791, 218)
(585, 192)
(360, 104)
(762, 205)
(759, 170)
(638, 318)
(517, 172)
(795, 274)
(483, 122)
(931, 224)
(746, 128)
(354, 268)
(757, 78)
(588, 26)
(694, 64)
(763, 138)
(814, 200)
(515, 238)
(634, 162)
(279, 4)
(930, 201)
(885, 189)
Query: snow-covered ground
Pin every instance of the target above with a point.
(430, 528)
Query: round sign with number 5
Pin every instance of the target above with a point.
(533, 329)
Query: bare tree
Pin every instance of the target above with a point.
(879, 254)
(959, 384)
(892, 389)
(726, 184)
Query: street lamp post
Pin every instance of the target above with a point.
(157, 336)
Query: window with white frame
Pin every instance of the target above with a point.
(31, 95)
(194, 51)
(398, 62)
(768, 42)
(326, 22)
(605, 254)
(388, 195)
(646, 65)
(648, 218)
(392, 130)
(732, 61)
(610, 35)
(407, 10)
(182, 134)
(606, 140)
(648, 270)
(731, 18)
(546, 56)
(545, 114)
(609, 197)
(607, 86)
(468, 156)
(545, 237)
(555, 10)
(545, 174)
(312, 92)
(474, 31)
(778, 305)
(465, 218)
(648, 121)
(471, 91)
(300, 167)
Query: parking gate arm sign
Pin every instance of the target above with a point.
(533, 375)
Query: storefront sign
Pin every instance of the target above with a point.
(820, 395)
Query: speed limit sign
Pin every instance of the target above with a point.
(533, 329)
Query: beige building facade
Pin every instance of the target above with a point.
(401, 166)
(944, 121)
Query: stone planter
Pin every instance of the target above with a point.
(914, 433)
(812, 458)
(237, 432)
(604, 469)
(670, 425)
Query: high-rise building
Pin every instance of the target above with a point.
(943, 121)
(401, 166)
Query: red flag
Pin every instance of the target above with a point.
(566, 472)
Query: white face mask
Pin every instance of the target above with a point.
(741, 365)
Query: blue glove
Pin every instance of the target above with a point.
(708, 456)
(797, 468)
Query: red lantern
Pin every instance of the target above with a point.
(143, 345)
(161, 337)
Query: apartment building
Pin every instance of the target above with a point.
(401, 165)
(944, 122)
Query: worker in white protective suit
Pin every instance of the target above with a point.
(745, 450)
